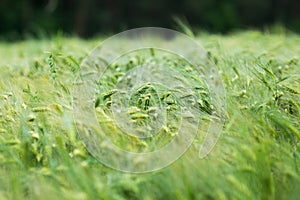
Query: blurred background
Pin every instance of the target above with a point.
(20, 19)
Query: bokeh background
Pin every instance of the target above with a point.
(86, 18)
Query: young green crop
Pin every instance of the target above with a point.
(257, 156)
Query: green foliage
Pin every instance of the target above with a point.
(257, 156)
(30, 19)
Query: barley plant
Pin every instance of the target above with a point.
(257, 156)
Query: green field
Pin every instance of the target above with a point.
(257, 156)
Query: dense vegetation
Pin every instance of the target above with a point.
(31, 18)
(257, 156)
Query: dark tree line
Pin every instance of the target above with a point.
(89, 17)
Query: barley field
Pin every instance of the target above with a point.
(256, 157)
